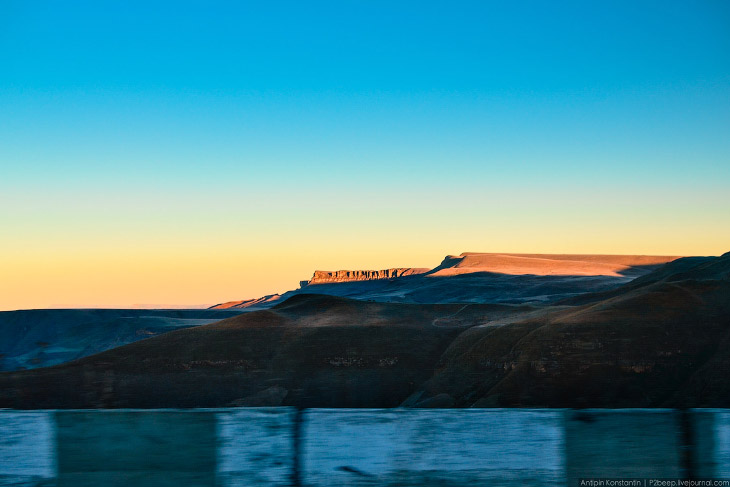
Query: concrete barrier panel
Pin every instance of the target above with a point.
(405, 447)
(255, 447)
(27, 448)
(711, 432)
(140, 448)
(622, 443)
(432, 447)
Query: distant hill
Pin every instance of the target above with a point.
(43, 337)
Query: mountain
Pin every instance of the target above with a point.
(476, 278)
(659, 341)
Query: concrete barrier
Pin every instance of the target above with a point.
(27, 448)
(255, 447)
(135, 448)
(432, 447)
(624, 443)
(327, 447)
(712, 443)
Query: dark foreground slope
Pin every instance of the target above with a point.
(661, 341)
(310, 350)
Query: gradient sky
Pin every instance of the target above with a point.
(198, 152)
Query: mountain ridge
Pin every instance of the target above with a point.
(480, 269)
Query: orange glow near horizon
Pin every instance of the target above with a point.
(131, 246)
(194, 276)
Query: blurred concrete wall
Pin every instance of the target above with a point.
(333, 447)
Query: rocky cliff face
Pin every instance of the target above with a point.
(322, 277)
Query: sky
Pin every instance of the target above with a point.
(188, 153)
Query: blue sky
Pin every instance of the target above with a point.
(315, 87)
(601, 125)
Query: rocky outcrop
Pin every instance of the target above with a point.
(322, 277)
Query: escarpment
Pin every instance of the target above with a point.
(321, 277)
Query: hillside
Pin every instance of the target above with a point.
(310, 350)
